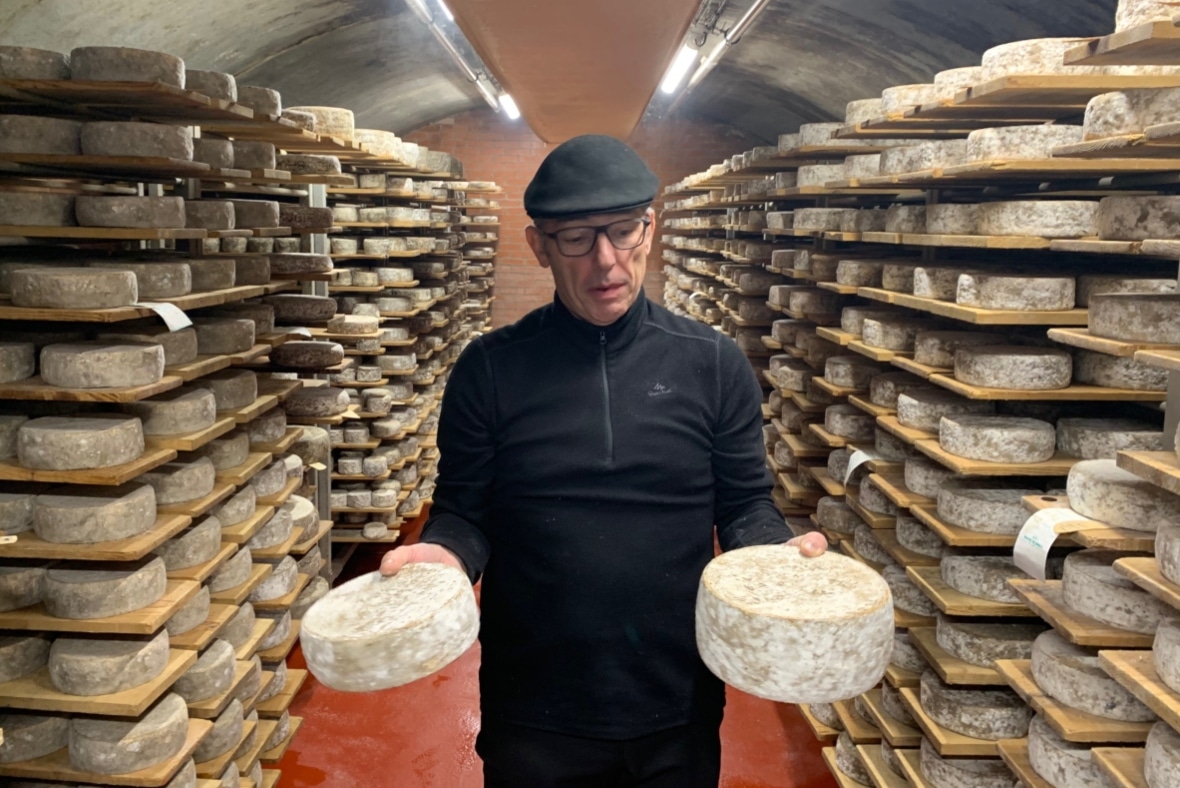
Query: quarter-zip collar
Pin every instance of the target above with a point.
(592, 338)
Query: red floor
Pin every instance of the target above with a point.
(422, 735)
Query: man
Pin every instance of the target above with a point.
(587, 453)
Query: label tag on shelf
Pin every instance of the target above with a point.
(1036, 539)
(858, 458)
(299, 331)
(172, 315)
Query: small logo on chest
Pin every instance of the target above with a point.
(659, 390)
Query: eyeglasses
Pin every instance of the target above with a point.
(623, 235)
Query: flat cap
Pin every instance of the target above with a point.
(590, 174)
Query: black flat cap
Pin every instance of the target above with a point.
(590, 174)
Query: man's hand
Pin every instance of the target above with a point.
(810, 545)
(421, 553)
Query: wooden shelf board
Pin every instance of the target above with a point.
(900, 677)
(1135, 671)
(860, 731)
(1015, 755)
(907, 434)
(35, 388)
(895, 490)
(898, 734)
(1082, 338)
(879, 772)
(805, 451)
(842, 780)
(836, 391)
(203, 571)
(949, 668)
(322, 530)
(903, 619)
(237, 595)
(1161, 468)
(242, 532)
(822, 732)
(105, 477)
(36, 692)
(281, 446)
(56, 766)
(1153, 43)
(911, 764)
(887, 538)
(262, 628)
(275, 754)
(796, 493)
(193, 440)
(285, 601)
(1058, 466)
(282, 496)
(1046, 597)
(914, 368)
(1145, 573)
(955, 603)
(102, 233)
(29, 545)
(146, 621)
(276, 552)
(213, 769)
(280, 652)
(841, 338)
(245, 760)
(946, 742)
(199, 637)
(974, 315)
(241, 474)
(273, 708)
(876, 353)
(956, 536)
(1073, 393)
(247, 414)
(1123, 765)
(831, 486)
(870, 408)
(210, 708)
(875, 520)
(831, 440)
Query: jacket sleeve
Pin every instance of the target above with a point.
(744, 511)
(466, 469)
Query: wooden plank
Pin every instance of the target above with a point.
(1046, 597)
(245, 760)
(237, 595)
(102, 233)
(946, 742)
(1091, 533)
(285, 601)
(831, 486)
(262, 628)
(895, 490)
(869, 407)
(241, 474)
(250, 412)
(273, 708)
(1161, 468)
(1015, 754)
(882, 355)
(270, 778)
(278, 551)
(1082, 338)
(281, 446)
(829, 439)
(1072, 393)
(839, 337)
(281, 497)
(875, 520)
(1135, 671)
(955, 536)
(280, 652)
(29, 545)
(57, 767)
(146, 621)
(1071, 724)
(35, 388)
(909, 435)
(322, 530)
(900, 677)
(1058, 466)
(805, 451)
(214, 768)
(898, 734)
(955, 603)
(200, 636)
(949, 668)
(275, 754)
(1150, 44)
(857, 729)
(838, 392)
(113, 476)
(842, 779)
(974, 315)
(203, 571)
(199, 506)
(879, 772)
(210, 708)
(903, 619)
(905, 557)
(914, 368)
(911, 764)
(1145, 573)
(1163, 359)
(1123, 765)
(36, 692)
(190, 441)
(798, 493)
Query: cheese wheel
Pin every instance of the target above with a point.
(218, 154)
(278, 583)
(1098, 369)
(997, 438)
(938, 348)
(1128, 112)
(156, 279)
(178, 482)
(38, 209)
(819, 219)
(298, 309)
(103, 590)
(982, 643)
(923, 409)
(191, 614)
(872, 499)
(1094, 589)
(863, 109)
(891, 447)
(89, 515)
(1047, 218)
(21, 585)
(893, 705)
(214, 84)
(132, 212)
(852, 317)
(857, 168)
(1161, 765)
(900, 98)
(848, 761)
(1061, 763)
(30, 736)
(914, 535)
(31, 134)
(1020, 293)
(820, 174)
(893, 333)
(1138, 317)
(72, 288)
(923, 156)
(864, 220)
(884, 389)
(991, 714)
(263, 101)
(79, 442)
(225, 734)
(88, 666)
(180, 347)
(1097, 284)
(1093, 439)
(211, 675)
(233, 389)
(95, 365)
(811, 134)
(181, 410)
(22, 655)
(233, 573)
(270, 480)
(906, 595)
(853, 372)
(193, 546)
(983, 506)
(1074, 677)
(835, 515)
(905, 655)
(963, 772)
(1165, 651)
(941, 283)
(123, 64)
(153, 140)
(1014, 367)
(828, 619)
(952, 219)
(1102, 491)
(982, 576)
(332, 121)
(31, 63)
(1019, 142)
(105, 746)
(906, 219)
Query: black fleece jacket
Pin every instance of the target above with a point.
(583, 470)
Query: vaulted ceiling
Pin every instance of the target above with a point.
(801, 62)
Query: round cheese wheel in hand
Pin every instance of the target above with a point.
(794, 629)
(377, 632)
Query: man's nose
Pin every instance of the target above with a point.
(604, 252)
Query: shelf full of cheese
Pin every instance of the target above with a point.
(160, 540)
(1029, 324)
(417, 287)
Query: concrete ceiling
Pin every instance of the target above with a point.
(801, 62)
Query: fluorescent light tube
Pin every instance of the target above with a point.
(679, 69)
(442, 4)
(510, 108)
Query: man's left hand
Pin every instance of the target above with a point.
(810, 545)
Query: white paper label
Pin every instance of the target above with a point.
(1036, 538)
(172, 315)
(300, 331)
(859, 458)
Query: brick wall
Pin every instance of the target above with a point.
(494, 148)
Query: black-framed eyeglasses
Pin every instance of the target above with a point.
(623, 235)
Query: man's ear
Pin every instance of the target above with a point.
(537, 244)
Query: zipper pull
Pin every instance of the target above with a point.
(602, 338)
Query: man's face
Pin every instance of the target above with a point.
(602, 284)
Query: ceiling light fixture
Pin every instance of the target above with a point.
(422, 11)
(510, 108)
(731, 37)
(442, 4)
(679, 69)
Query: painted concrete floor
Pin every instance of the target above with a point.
(422, 735)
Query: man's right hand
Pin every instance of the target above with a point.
(421, 553)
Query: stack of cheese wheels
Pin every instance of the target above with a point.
(793, 629)
(377, 632)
